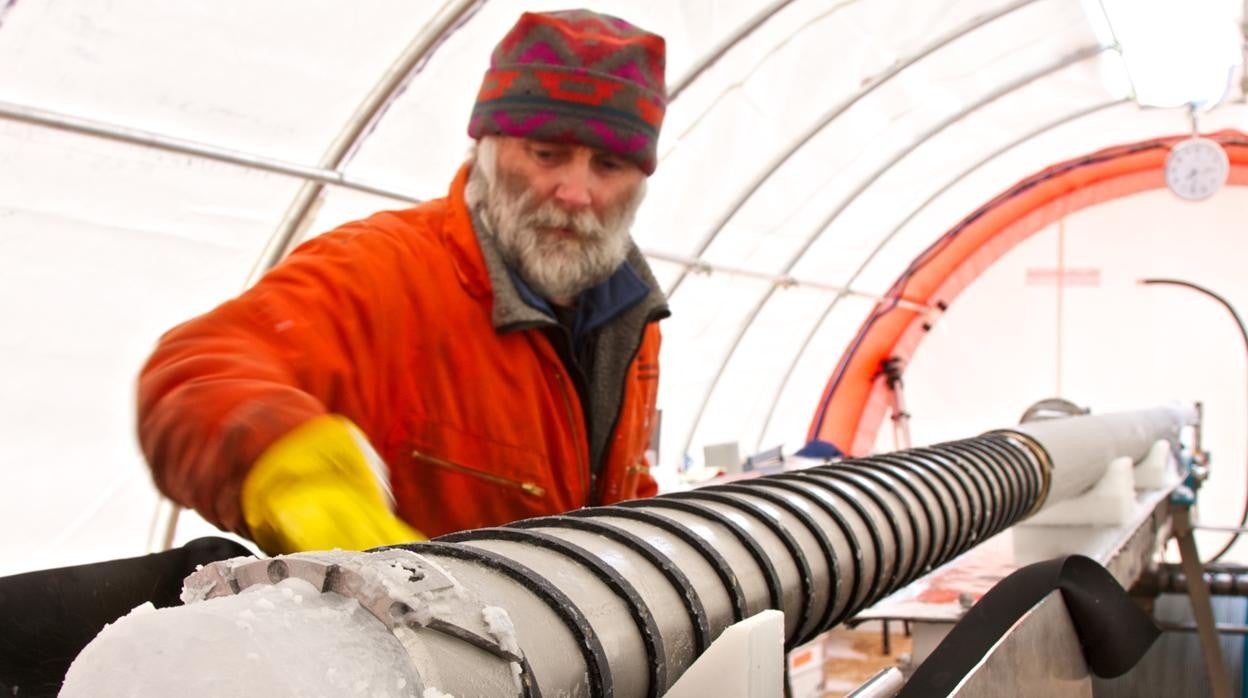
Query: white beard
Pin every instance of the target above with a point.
(556, 267)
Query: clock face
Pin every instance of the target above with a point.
(1196, 168)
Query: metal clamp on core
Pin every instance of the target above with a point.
(398, 587)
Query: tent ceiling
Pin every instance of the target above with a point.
(812, 149)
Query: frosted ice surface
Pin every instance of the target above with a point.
(282, 640)
(501, 627)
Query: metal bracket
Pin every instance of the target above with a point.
(1198, 590)
(398, 587)
(1183, 496)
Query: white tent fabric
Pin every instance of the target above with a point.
(811, 149)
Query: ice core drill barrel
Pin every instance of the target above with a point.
(620, 600)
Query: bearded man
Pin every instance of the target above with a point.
(481, 358)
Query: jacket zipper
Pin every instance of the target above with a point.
(526, 487)
(581, 469)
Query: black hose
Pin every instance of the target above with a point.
(1243, 333)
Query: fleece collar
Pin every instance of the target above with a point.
(597, 305)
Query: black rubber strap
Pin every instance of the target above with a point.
(855, 579)
(1028, 488)
(998, 493)
(673, 574)
(970, 483)
(770, 577)
(598, 669)
(1030, 462)
(1013, 480)
(806, 586)
(816, 532)
(919, 563)
(946, 510)
(727, 576)
(608, 575)
(1013, 455)
(1037, 458)
(957, 509)
(1112, 630)
(1010, 481)
(970, 489)
(829, 472)
(875, 588)
(882, 479)
(995, 490)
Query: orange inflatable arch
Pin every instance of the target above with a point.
(856, 399)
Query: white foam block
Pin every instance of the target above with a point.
(745, 661)
(1107, 503)
(1153, 472)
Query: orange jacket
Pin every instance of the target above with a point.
(396, 323)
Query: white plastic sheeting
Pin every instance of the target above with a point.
(818, 155)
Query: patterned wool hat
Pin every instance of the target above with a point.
(576, 77)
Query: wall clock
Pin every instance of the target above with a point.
(1196, 168)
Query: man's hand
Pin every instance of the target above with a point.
(313, 489)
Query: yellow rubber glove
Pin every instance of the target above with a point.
(314, 489)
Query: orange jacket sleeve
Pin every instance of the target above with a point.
(222, 387)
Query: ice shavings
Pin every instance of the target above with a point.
(501, 627)
(498, 622)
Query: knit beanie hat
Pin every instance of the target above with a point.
(576, 77)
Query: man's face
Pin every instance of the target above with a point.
(561, 213)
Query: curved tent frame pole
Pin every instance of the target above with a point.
(797, 357)
(717, 52)
(452, 15)
(871, 85)
(156, 141)
(781, 280)
(741, 77)
(1066, 61)
(1113, 36)
(1077, 56)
